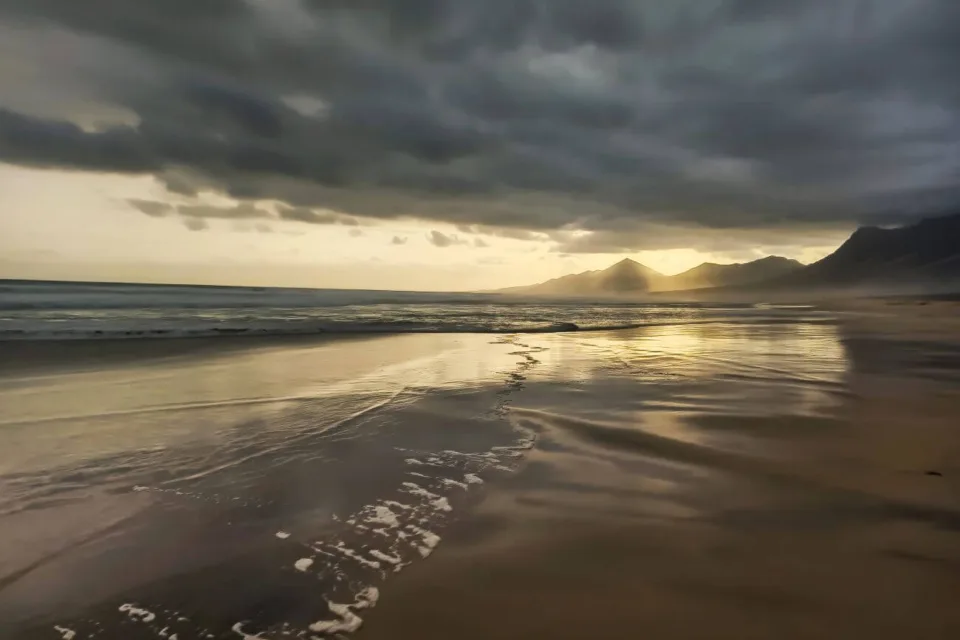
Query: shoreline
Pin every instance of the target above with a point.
(41, 356)
(786, 479)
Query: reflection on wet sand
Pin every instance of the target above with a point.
(755, 478)
(711, 481)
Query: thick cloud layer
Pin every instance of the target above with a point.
(654, 124)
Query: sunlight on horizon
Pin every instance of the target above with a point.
(79, 226)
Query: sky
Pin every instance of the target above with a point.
(462, 144)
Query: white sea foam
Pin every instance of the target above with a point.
(419, 475)
(136, 613)
(472, 478)
(429, 538)
(283, 535)
(347, 621)
(413, 461)
(415, 489)
(238, 629)
(526, 443)
(438, 502)
(454, 483)
(368, 598)
(303, 564)
(385, 557)
(383, 515)
(350, 553)
(462, 454)
(65, 633)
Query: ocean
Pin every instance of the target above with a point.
(32, 310)
(281, 464)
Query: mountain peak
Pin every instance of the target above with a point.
(629, 264)
(778, 260)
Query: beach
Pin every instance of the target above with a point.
(463, 320)
(830, 510)
(756, 475)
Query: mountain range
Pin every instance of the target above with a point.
(924, 257)
(630, 277)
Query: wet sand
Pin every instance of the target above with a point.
(188, 493)
(829, 512)
(736, 480)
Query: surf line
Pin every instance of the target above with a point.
(343, 619)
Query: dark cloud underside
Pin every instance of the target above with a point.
(199, 214)
(724, 117)
(443, 240)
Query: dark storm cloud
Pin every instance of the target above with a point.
(443, 240)
(502, 232)
(151, 208)
(243, 211)
(195, 224)
(712, 123)
(302, 214)
(253, 116)
(46, 143)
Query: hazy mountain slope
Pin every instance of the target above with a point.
(709, 275)
(625, 277)
(630, 277)
(927, 252)
(572, 285)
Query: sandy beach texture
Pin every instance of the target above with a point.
(766, 478)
